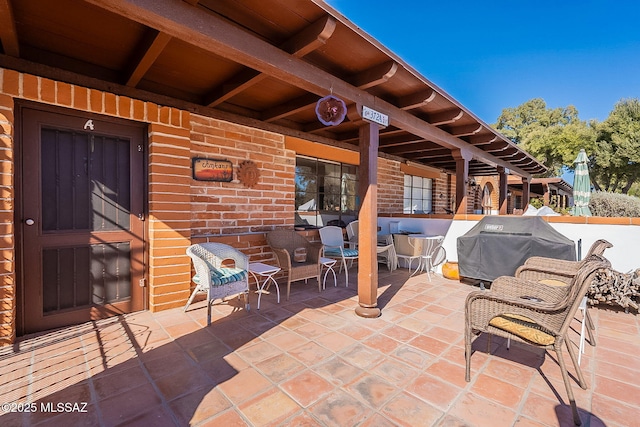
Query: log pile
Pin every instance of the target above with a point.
(614, 288)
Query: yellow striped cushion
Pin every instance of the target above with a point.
(553, 282)
(522, 327)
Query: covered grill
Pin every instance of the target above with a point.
(498, 245)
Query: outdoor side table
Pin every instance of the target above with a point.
(267, 271)
(328, 263)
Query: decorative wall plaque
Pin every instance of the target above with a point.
(212, 170)
(248, 173)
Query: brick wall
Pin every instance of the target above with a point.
(390, 187)
(7, 235)
(169, 167)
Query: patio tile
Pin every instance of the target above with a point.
(499, 391)
(279, 367)
(338, 371)
(244, 385)
(481, 412)
(310, 353)
(434, 391)
(335, 341)
(306, 388)
(409, 411)
(268, 408)
(125, 406)
(339, 409)
(177, 383)
(199, 405)
(372, 390)
(622, 391)
(412, 356)
(313, 362)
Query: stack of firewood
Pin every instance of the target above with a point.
(614, 288)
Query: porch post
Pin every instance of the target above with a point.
(525, 192)
(462, 158)
(502, 190)
(368, 222)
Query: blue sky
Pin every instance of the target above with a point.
(490, 55)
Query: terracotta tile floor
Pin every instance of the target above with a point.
(311, 361)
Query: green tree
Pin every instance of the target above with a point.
(615, 164)
(552, 135)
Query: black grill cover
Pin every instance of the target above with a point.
(498, 245)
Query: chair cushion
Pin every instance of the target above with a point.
(553, 282)
(336, 252)
(224, 275)
(522, 327)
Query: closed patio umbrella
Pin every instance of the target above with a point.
(581, 186)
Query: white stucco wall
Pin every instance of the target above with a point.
(624, 255)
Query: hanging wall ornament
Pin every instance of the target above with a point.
(248, 173)
(331, 110)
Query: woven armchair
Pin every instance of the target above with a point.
(531, 313)
(537, 268)
(284, 244)
(214, 277)
(541, 268)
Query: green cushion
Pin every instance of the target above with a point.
(224, 275)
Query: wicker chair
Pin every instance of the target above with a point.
(284, 244)
(541, 268)
(217, 280)
(532, 313)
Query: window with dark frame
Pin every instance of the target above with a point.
(418, 195)
(326, 192)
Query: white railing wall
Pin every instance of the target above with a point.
(623, 255)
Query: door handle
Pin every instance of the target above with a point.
(29, 221)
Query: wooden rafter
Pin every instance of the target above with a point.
(146, 55)
(416, 100)
(374, 76)
(306, 41)
(8, 33)
(445, 117)
(467, 130)
(215, 35)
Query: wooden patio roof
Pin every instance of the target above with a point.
(262, 63)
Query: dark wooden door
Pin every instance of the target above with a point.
(82, 218)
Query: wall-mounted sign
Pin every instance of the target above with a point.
(374, 116)
(212, 170)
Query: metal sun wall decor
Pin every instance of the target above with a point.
(248, 173)
(331, 110)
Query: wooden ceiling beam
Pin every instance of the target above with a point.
(215, 35)
(399, 140)
(467, 130)
(483, 139)
(416, 100)
(289, 108)
(420, 148)
(304, 42)
(445, 117)
(374, 76)
(145, 55)
(8, 32)
(427, 154)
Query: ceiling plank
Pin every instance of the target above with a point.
(289, 108)
(466, 130)
(145, 55)
(399, 140)
(375, 75)
(310, 38)
(445, 117)
(304, 42)
(418, 151)
(213, 34)
(416, 100)
(8, 32)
